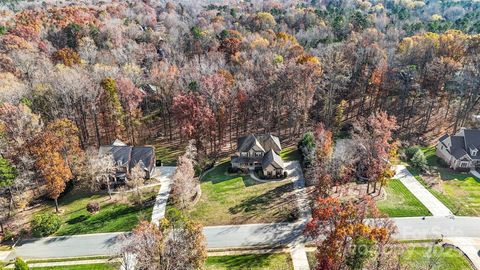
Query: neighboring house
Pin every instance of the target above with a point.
(460, 151)
(127, 157)
(259, 152)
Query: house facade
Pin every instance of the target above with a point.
(460, 151)
(259, 152)
(127, 157)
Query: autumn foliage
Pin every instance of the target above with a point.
(343, 235)
(66, 56)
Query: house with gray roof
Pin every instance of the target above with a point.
(460, 151)
(259, 152)
(127, 157)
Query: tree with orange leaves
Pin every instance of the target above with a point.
(345, 239)
(57, 152)
(50, 163)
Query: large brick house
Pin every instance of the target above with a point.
(460, 151)
(259, 152)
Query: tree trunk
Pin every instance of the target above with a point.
(56, 205)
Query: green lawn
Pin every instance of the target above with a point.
(167, 154)
(460, 192)
(275, 261)
(418, 257)
(290, 153)
(400, 202)
(115, 215)
(238, 199)
(98, 266)
(443, 258)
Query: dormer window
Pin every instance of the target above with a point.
(473, 150)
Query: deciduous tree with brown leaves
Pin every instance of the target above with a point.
(178, 244)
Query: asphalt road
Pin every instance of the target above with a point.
(243, 236)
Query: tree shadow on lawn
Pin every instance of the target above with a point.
(220, 174)
(272, 202)
(112, 218)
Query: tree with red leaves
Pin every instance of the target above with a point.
(374, 139)
(195, 118)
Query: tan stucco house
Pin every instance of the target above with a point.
(259, 152)
(460, 151)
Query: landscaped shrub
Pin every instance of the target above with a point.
(93, 207)
(45, 224)
(8, 235)
(411, 151)
(20, 264)
(418, 160)
(307, 148)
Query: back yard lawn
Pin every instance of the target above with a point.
(460, 192)
(237, 199)
(276, 261)
(400, 202)
(290, 153)
(115, 215)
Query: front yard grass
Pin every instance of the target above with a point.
(238, 199)
(418, 257)
(443, 258)
(115, 215)
(400, 202)
(275, 261)
(97, 266)
(460, 192)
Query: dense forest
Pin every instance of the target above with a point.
(78, 74)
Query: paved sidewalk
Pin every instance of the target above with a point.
(299, 257)
(435, 207)
(469, 246)
(475, 173)
(165, 177)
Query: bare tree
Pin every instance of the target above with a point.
(99, 170)
(185, 184)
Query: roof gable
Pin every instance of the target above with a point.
(271, 158)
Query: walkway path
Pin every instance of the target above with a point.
(165, 176)
(475, 173)
(299, 257)
(435, 207)
(469, 246)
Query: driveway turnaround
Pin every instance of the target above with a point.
(433, 205)
(165, 176)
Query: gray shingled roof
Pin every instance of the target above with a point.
(268, 141)
(272, 158)
(245, 143)
(144, 154)
(458, 146)
(263, 142)
(443, 137)
(130, 156)
(472, 137)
